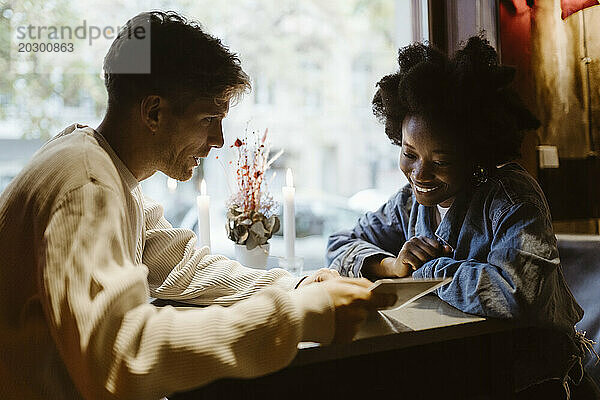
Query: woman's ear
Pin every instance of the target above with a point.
(150, 108)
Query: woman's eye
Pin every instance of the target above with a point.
(409, 155)
(441, 163)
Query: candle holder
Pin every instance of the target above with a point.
(251, 211)
(293, 265)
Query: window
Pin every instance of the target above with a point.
(314, 66)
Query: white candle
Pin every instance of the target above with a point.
(289, 219)
(203, 203)
(171, 185)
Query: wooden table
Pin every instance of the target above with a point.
(427, 349)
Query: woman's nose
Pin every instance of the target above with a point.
(422, 172)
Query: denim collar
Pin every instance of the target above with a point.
(450, 227)
(423, 220)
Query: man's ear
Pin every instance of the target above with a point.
(150, 108)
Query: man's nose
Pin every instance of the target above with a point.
(217, 137)
(218, 143)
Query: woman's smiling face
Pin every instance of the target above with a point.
(432, 163)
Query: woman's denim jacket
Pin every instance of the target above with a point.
(504, 260)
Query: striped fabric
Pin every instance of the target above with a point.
(81, 249)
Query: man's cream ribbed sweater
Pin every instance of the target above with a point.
(81, 250)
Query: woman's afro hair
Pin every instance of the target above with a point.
(466, 96)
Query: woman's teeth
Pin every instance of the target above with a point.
(425, 190)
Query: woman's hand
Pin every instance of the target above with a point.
(415, 252)
(420, 249)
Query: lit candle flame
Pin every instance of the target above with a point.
(289, 179)
(203, 188)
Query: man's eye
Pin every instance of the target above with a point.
(206, 121)
(441, 163)
(409, 155)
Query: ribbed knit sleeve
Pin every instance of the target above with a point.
(179, 271)
(116, 345)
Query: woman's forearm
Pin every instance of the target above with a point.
(379, 266)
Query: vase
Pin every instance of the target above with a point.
(255, 258)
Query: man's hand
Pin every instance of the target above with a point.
(416, 252)
(320, 276)
(352, 299)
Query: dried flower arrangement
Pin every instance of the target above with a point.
(251, 211)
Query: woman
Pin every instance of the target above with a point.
(468, 211)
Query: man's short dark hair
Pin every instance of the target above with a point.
(185, 63)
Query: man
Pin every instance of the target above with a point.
(82, 248)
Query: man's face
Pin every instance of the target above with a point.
(431, 163)
(186, 138)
